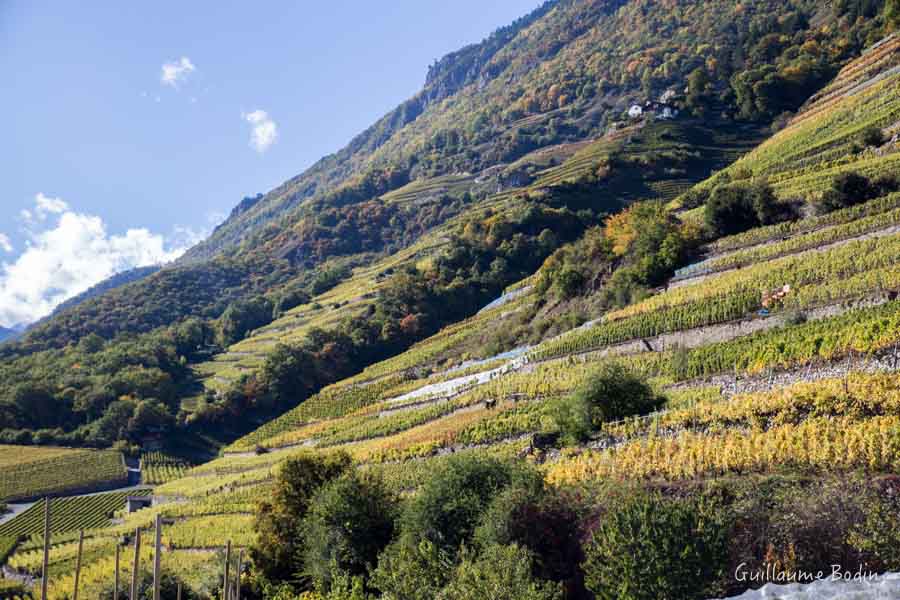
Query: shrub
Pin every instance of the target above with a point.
(450, 504)
(540, 520)
(350, 521)
(729, 211)
(649, 548)
(409, 571)
(610, 393)
(568, 281)
(243, 316)
(879, 534)
(288, 300)
(694, 197)
(500, 573)
(872, 136)
(737, 207)
(848, 189)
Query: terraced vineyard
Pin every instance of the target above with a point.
(157, 467)
(69, 514)
(29, 472)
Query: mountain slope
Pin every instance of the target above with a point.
(515, 147)
(780, 418)
(563, 74)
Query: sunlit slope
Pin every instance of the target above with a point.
(683, 152)
(825, 137)
(809, 387)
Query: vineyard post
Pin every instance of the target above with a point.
(136, 564)
(44, 574)
(227, 568)
(240, 564)
(156, 552)
(78, 563)
(116, 579)
(178, 593)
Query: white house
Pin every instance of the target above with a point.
(635, 111)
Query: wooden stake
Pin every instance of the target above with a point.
(116, 580)
(237, 584)
(78, 563)
(178, 597)
(136, 564)
(45, 575)
(156, 553)
(227, 568)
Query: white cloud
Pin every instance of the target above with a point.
(5, 244)
(71, 253)
(265, 132)
(45, 205)
(177, 71)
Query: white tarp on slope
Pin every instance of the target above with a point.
(882, 587)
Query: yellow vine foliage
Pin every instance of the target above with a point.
(814, 445)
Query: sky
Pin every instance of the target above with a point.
(132, 128)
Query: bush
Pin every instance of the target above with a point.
(409, 571)
(848, 189)
(872, 136)
(500, 573)
(879, 534)
(450, 505)
(540, 520)
(737, 207)
(568, 281)
(649, 548)
(243, 316)
(694, 197)
(288, 300)
(610, 393)
(350, 521)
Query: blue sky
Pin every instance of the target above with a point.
(134, 126)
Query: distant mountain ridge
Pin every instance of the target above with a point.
(11, 333)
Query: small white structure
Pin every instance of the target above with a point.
(635, 111)
(667, 96)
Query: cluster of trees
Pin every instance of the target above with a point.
(166, 297)
(636, 249)
(481, 526)
(611, 265)
(369, 226)
(97, 392)
(734, 206)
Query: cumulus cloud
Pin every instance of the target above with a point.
(70, 253)
(177, 71)
(5, 244)
(44, 205)
(264, 132)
